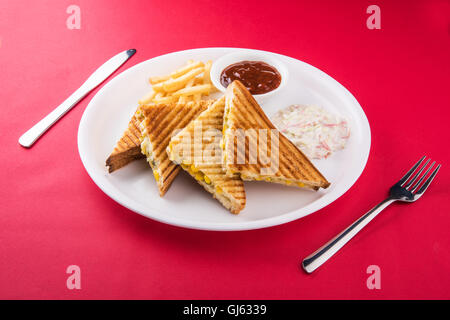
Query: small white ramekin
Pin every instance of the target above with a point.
(220, 64)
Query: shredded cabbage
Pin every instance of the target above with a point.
(316, 132)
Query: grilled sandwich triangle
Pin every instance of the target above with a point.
(128, 148)
(158, 123)
(255, 150)
(197, 149)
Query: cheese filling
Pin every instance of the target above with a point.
(200, 176)
(146, 149)
(272, 179)
(223, 142)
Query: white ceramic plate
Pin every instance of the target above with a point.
(186, 204)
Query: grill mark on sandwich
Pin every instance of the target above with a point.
(233, 140)
(232, 187)
(130, 137)
(311, 170)
(127, 149)
(163, 119)
(251, 138)
(154, 112)
(166, 114)
(285, 168)
(254, 138)
(163, 138)
(166, 168)
(170, 172)
(254, 110)
(184, 112)
(301, 171)
(158, 116)
(168, 180)
(307, 171)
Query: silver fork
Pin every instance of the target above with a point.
(407, 189)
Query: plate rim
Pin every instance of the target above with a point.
(128, 202)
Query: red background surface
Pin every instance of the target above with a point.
(53, 215)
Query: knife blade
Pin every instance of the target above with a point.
(99, 75)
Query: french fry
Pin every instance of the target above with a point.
(178, 83)
(198, 80)
(168, 99)
(159, 86)
(213, 89)
(183, 85)
(184, 99)
(199, 89)
(206, 73)
(186, 69)
(156, 79)
(147, 98)
(190, 83)
(177, 73)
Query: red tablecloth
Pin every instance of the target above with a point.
(53, 215)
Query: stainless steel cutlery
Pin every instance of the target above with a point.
(100, 75)
(408, 189)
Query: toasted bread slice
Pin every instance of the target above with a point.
(256, 150)
(197, 149)
(128, 148)
(158, 123)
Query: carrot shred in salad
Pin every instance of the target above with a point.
(315, 131)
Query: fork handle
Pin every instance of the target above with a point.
(321, 255)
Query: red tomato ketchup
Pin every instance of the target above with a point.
(257, 76)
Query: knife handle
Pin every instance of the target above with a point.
(29, 137)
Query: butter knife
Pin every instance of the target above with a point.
(100, 75)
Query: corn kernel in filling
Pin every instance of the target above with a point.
(199, 176)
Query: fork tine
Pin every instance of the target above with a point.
(410, 172)
(417, 174)
(417, 184)
(428, 181)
